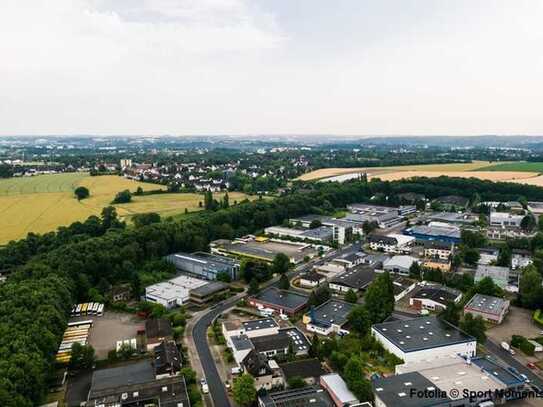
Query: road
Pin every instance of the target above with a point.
(505, 356)
(217, 390)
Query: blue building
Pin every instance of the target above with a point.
(439, 233)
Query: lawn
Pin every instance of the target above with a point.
(522, 166)
(43, 203)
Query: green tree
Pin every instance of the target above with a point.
(486, 286)
(504, 257)
(474, 326)
(379, 298)
(281, 263)
(451, 314)
(350, 296)
(82, 356)
(225, 201)
(473, 239)
(224, 277)
(253, 287)
(284, 283)
(415, 270)
(296, 382)
(81, 193)
(123, 197)
(528, 223)
(353, 374)
(471, 256)
(243, 390)
(530, 290)
(359, 319)
(144, 219)
(315, 223)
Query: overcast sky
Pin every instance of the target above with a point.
(352, 67)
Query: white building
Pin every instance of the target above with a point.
(391, 243)
(505, 219)
(425, 338)
(174, 292)
(521, 259)
(399, 264)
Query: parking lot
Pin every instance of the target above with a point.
(110, 328)
(518, 321)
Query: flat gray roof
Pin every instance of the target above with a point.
(421, 333)
(331, 312)
(282, 298)
(356, 278)
(487, 304)
(134, 373)
(258, 324)
(209, 289)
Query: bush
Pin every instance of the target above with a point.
(538, 318)
(523, 344)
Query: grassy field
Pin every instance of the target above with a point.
(43, 203)
(521, 166)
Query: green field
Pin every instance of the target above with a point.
(43, 203)
(521, 166)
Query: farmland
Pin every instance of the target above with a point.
(43, 203)
(519, 172)
(521, 166)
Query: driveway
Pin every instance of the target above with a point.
(518, 321)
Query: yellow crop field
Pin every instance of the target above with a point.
(43, 203)
(374, 171)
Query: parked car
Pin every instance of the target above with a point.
(205, 387)
(531, 365)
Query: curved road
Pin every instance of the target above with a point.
(217, 390)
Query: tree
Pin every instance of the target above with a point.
(472, 238)
(296, 382)
(451, 314)
(486, 286)
(224, 277)
(530, 290)
(379, 298)
(315, 223)
(144, 219)
(350, 296)
(368, 227)
(81, 193)
(528, 223)
(139, 191)
(415, 270)
(82, 356)
(471, 256)
(123, 197)
(243, 390)
(474, 326)
(359, 320)
(281, 263)
(110, 218)
(253, 287)
(284, 283)
(225, 201)
(314, 348)
(353, 373)
(504, 257)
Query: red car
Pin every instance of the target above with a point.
(531, 365)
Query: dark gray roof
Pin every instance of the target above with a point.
(375, 238)
(134, 373)
(298, 339)
(158, 328)
(303, 368)
(282, 298)
(313, 396)
(357, 278)
(209, 289)
(440, 295)
(167, 357)
(331, 312)
(271, 342)
(241, 342)
(313, 276)
(498, 372)
(421, 333)
(395, 391)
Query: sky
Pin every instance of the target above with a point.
(251, 67)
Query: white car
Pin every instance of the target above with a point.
(205, 387)
(525, 377)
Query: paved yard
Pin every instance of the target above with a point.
(110, 328)
(518, 321)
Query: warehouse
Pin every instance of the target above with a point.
(491, 309)
(399, 264)
(391, 243)
(329, 317)
(173, 292)
(424, 338)
(204, 265)
(321, 234)
(314, 396)
(281, 301)
(207, 293)
(355, 279)
(448, 234)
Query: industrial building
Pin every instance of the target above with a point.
(491, 309)
(454, 218)
(281, 301)
(264, 249)
(424, 338)
(354, 279)
(321, 234)
(327, 318)
(342, 229)
(384, 216)
(434, 297)
(447, 381)
(505, 219)
(399, 264)
(207, 293)
(391, 243)
(441, 232)
(204, 265)
(313, 396)
(173, 292)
